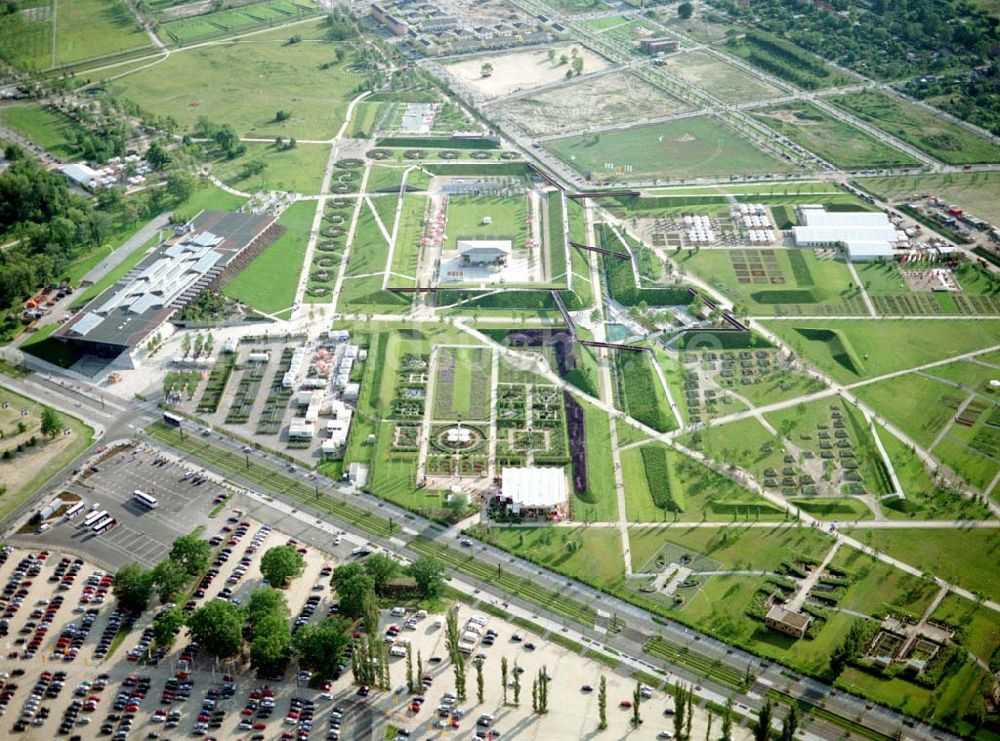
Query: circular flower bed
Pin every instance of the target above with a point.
(378, 154)
(325, 263)
(321, 275)
(347, 176)
(482, 155)
(414, 154)
(350, 162)
(328, 246)
(318, 291)
(508, 155)
(448, 155)
(332, 231)
(339, 203)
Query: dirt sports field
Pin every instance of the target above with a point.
(522, 70)
(609, 99)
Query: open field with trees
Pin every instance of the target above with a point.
(835, 141)
(306, 79)
(854, 349)
(946, 141)
(266, 167)
(677, 149)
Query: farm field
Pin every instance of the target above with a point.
(976, 192)
(615, 98)
(92, 28)
(268, 284)
(28, 46)
(206, 82)
(721, 79)
(784, 283)
(854, 349)
(522, 69)
(835, 141)
(298, 170)
(939, 138)
(677, 149)
(943, 553)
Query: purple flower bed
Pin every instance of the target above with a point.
(560, 340)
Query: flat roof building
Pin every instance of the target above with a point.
(485, 251)
(864, 235)
(122, 317)
(535, 488)
(787, 621)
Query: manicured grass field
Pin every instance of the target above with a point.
(407, 252)
(45, 127)
(268, 283)
(741, 548)
(971, 465)
(977, 192)
(677, 149)
(91, 28)
(946, 141)
(814, 287)
(964, 557)
(246, 84)
(298, 170)
(599, 502)
(833, 140)
(914, 403)
(234, 20)
(879, 347)
(707, 495)
(508, 218)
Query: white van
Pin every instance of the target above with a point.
(398, 611)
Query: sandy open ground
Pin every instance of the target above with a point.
(522, 70)
(609, 99)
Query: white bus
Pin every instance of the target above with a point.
(74, 510)
(102, 525)
(94, 517)
(145, 499)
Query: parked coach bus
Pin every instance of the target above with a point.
(103, 525)
(74, 510)
(174, 420)
(144, 499)
(94, 517)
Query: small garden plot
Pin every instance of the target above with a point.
(411, 387)
(534, 430)
(246, 394)
(215, 387)
(179, 385)
(462, 384)
(273, 412)
(406, 438)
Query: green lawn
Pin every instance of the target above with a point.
(877, 586)
(298, 170)
(268, 284)
(946, 141)
(833, 140)
(979, 626)
(47, 128)
(777, 386)
(964, 557)
(971, 465)
(91, 28)
(406, 255)
(853, 349)
(739, 548)
(599, 502)
(914, 403)
(507, 216)
(247, 83)
(977, 192)
(810, 285)
(678, 149)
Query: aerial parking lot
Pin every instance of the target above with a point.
(184, 497)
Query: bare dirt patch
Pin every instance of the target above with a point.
(719, 78)
(615, 98)
(522, 70)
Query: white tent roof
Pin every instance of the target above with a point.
(535, 487)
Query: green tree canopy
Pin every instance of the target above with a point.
(429, 574)
(192, 553)
(52, 423)
(218, 626)
(321, 647)
(166, 625)
(133, 587)
(266, 602)
(170, 578)
(270, 649)
(381, 569)
(281, 564)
